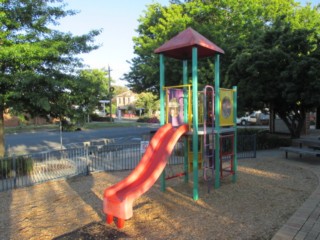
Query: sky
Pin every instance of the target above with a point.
(118, 20)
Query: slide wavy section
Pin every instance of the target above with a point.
(118, 199)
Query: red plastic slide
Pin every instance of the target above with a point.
(118, 199)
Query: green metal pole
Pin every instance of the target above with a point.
(195, 122)
(162, 114)
(235, 143)
(185, 91)
(162, 82)
(185, 118)
(217, 120)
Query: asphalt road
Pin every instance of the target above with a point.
(49, 140)
(23, 143)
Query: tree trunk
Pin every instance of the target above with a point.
(272, 118)
(295, 125)
(2, 145)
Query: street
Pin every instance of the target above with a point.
(23, 143)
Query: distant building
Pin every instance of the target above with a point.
(125, 103)
(125, 99)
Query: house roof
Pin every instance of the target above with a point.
(180, 46)
(126, 94)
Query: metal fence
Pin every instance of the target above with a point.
(26, 170)
(247, 146)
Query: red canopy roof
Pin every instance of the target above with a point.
(180, 46)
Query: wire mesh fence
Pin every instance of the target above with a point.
(26, 170)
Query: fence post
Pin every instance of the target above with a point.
(14, 172)
(87, 159)
(255, 145)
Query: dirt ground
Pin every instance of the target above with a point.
(267, 193)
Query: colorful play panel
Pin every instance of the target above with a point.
(205, 120)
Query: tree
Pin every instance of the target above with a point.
(158, 24)
(119, 89)
(232, 25)
(92, 86)
(36, 62)
(281, 70)
(148, 101)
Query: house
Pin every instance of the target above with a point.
(125, 104)
(125, 99)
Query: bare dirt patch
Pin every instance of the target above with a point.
(267, 193)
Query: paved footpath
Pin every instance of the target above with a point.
(304, 224)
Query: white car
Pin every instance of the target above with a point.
(256, 117)
(246, 120)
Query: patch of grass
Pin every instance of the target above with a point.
(31, 128)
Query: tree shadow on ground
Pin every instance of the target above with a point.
(84, 189)
(93, 231)
(96, 229)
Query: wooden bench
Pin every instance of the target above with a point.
(307, 146)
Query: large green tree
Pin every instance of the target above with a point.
(36, 62)
(281, 70)
(234, 25)
(231, 24)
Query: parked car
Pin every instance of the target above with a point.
(256, 117)
(246, 120)
(264, 118)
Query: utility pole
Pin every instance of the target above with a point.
(110, 90)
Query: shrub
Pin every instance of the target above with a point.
(266, 140)
(68, 126)
(97, 118)
(153, 120)
(148, 120)
(22, 165)
(142, 119)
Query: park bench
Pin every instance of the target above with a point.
(306, 146)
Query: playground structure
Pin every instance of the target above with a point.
(184, 111)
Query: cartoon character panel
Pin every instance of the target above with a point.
(226, 107)
(175, 107)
